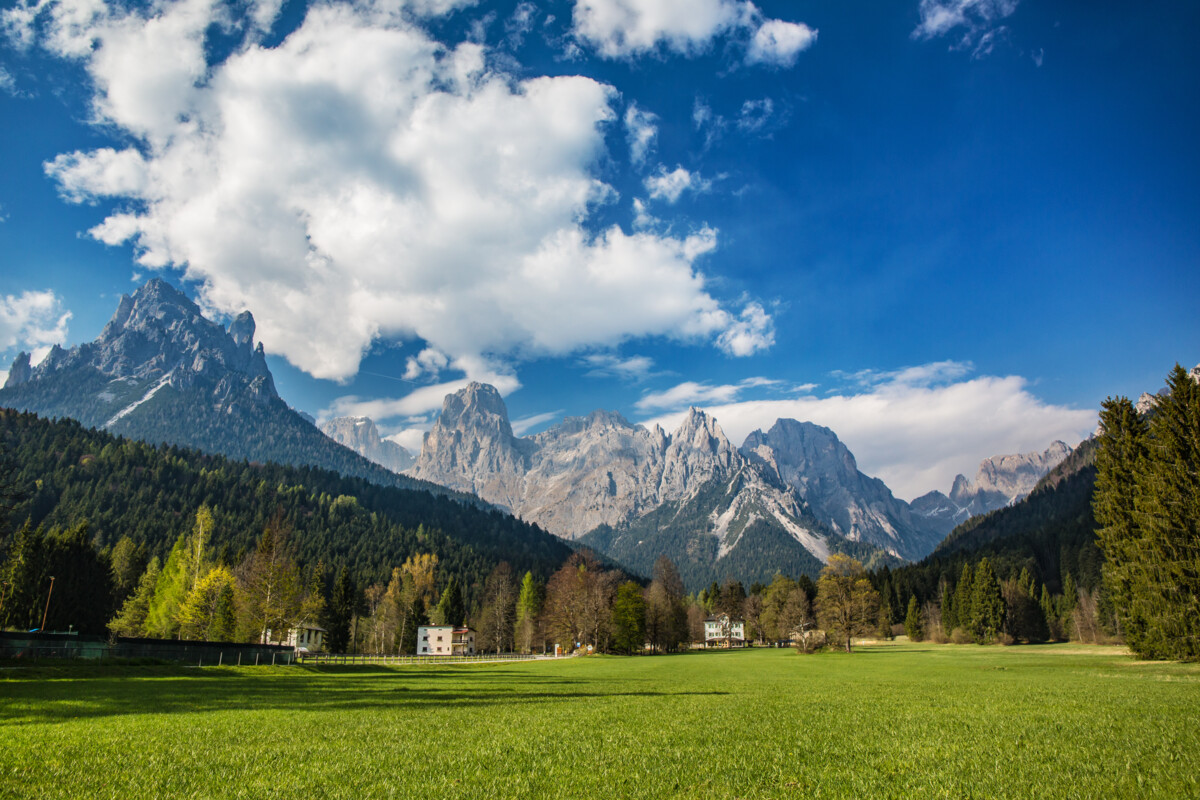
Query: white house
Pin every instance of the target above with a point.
(721, 631)
(306, 638)
(445, 640)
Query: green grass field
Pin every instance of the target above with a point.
(888, 721)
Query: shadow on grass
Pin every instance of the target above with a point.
(44, 698)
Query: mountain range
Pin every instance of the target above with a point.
(794, 492)
(787, 498)
(161, 372)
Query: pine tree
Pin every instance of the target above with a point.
(451, 610)
(131, 619)
(964, 592)
(341, 611)
(912, 621)
(1120, 460)
(1170, 520)
(987, 604)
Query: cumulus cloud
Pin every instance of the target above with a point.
(914, 429)
(752, 332)
(972, 23)
(670, 186)
(641, 129)
(629, 28)
(34, 322)
(778, 43)
(361, 181)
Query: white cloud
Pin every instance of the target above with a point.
(670, 186)
(524, 424)
(755, 115)
(104, 172)
(428, 362)
(629, 28)
(416, 403)
(778, 43)
(913, 433)
(32, 321)
(360, 181)
(972, 22)
(641, 130)
(605, 365)
(8, 84)
(691, 393)
(753, 332)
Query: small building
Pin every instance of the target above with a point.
(722, 631)
(445, 640)
(306, 638)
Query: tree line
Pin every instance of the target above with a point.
(1147, 507)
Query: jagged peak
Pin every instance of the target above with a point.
(475, 401)
(241, 330)
(20, 372)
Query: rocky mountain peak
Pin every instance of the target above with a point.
(20, 371)
(476, 406)
(361, 435)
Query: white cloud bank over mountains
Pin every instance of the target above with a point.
(914, 429)
(362, 181)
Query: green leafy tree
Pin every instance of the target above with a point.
(529, 607)
(913, 625)
(629, 619)
(208, 611)
(847, 603)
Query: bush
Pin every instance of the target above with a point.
(961, 637)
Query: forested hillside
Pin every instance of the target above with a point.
(62, 474)
(1045, 541)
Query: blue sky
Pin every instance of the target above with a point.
(945, 228)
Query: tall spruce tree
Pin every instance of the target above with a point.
(987, 604)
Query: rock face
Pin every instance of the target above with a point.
(361, 436)
(630, 492)
(160, 371)
(813, 461)
(1000, 481)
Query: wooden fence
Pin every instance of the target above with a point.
(382, 659)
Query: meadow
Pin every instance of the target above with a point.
(886, 721)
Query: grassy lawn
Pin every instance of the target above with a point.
(888, 721)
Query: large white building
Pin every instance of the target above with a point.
(445, 640)
(721, 631)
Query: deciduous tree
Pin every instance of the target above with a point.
(847, 604)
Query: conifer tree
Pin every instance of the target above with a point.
(451, 610)
(912, 621)
(342, 604)
(987, 604)
(964, 593)
(131, 619)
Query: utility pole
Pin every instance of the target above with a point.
(47, 610)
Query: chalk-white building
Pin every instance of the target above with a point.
(445, 640)
(722, 631)
(306, 638)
